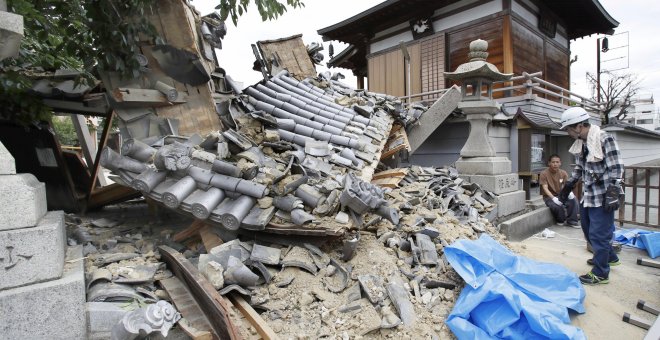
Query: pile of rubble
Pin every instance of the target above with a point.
(293, 164)
(384, 280)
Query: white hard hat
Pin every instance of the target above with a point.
(572, 116)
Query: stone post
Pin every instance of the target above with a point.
(41, 297)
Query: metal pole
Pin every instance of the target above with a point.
(598, 69)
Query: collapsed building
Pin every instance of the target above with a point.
(295, 214)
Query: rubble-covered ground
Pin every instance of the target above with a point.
(343, 299)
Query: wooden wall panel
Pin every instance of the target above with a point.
(527, 50)
(533, 52)
(556, 66)
(386, 73)
(415, 51)
(459, 43)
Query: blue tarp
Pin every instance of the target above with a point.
(640, 238)
(511, 297)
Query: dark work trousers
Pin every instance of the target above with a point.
(565, 213)
(598, 229)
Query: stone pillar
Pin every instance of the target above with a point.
(11, 32)
(40, 296)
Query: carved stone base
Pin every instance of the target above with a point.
(498, 184)
(35, 254)
(48, 310)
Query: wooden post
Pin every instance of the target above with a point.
(97, 159)
(85, 139)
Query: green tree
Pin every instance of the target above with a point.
(268, 9)
(84, 35)
(64, 130)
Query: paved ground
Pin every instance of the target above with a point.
(605, 304)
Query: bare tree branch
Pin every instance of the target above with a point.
(616, 93)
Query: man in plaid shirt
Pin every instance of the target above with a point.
(598, 164)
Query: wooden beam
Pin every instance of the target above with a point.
(214, 305)
(251, 315)
(87, 144)
(507, 46)
(191, 231)
(209, 238)
(391, 173)
(65, 106)
(143, 97)
(97, 157)
(109, 194)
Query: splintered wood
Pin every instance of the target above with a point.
(390, 178)
(397, 141)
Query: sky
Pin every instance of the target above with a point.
(636, 51)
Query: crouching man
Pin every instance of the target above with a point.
(552, 180)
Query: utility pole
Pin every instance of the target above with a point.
(598, 69)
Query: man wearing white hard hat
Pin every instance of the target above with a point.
(598, 164)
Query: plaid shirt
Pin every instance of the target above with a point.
(597, 176)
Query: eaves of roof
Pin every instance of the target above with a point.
(619, 126)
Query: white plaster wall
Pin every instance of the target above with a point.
(480, 11)
(392, 29)
(636, 148)
(391, 41)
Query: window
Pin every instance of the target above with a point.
(645, 121)
(537, 160)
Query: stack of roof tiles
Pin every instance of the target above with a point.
(289, 152)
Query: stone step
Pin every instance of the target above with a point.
(526, 225)
(22, 201)
(535, 203)
(31, 255)
(510, 203)
(47, 310)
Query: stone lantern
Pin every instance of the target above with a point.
(478, 162)
(476, 78)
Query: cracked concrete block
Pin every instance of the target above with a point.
(31, 255)
(7, 162)
(510, 203)
(48, 310)
(22, 201)
(526, 225)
